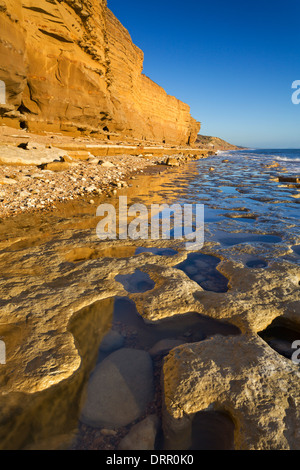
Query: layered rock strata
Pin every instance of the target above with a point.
(71, 66)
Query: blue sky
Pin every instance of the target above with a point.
(233, 62)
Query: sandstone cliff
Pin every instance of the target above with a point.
(70, 66)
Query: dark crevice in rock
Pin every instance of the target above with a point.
(58, 37)
(23, 109)
(38, 10)
(212, 430)
(280, 336)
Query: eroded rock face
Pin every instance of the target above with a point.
(254, 300)
(71, 66)
(238, 375)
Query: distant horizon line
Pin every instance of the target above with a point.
(269, 148)
(229, 141)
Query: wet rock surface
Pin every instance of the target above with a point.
(54, 267)
(157, 251)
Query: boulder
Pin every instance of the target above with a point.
(83, 155)
(112, 341)
(171, 161)
(141, 436)
(8, 181)
(55, 166)
(106, 164)
(240, 376)
(30, 154)
(289, 179)
(119, 390)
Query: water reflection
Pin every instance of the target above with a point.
(201, 268)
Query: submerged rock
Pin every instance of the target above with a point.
(164, 346)
(142, 436)
(289, 179)
(112, 341)
(119, 390)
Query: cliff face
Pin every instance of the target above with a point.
(215, 143)
(70, 65)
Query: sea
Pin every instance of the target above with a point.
(250, 197)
